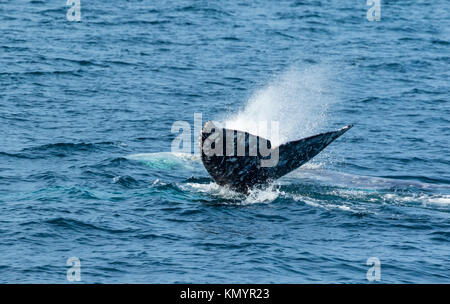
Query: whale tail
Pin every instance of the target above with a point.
(242, 161)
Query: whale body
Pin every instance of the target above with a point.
(234, 158)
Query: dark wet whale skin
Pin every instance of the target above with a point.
(242, 173)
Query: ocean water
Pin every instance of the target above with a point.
(86, 168)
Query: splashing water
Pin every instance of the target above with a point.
(297, 100)
(255, 196)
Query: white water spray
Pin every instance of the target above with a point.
(298, 99)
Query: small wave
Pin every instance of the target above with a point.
(443, 200)
(440, 42)
(79, 225)
(81, 62)
(126, 181)
(108, 163)
(207, 10)
(63, 146)
(40, 73)
(14, 48)
(390, 66)
(230, 38)
(161, 186)
(81, 193)
(121, 62)
(423, 179)
(145, 22)
(62, 149)
(421, 198)
(60, 9)
(325, 204)
(15, 155)
(49, 176)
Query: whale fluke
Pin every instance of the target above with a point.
(242, 161)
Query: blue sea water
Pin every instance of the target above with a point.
(86, 169)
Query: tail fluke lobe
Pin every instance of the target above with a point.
(234, 158)
(295, 153)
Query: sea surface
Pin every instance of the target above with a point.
(87, 167)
